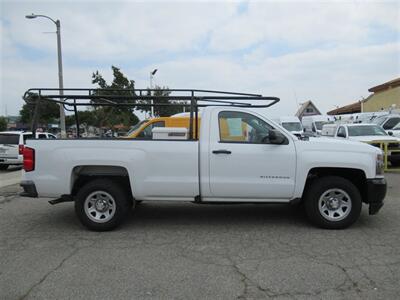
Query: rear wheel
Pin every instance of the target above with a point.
(3, 167)
(333, 202)
(102, 205)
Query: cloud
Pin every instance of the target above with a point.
(329, 52)
(305, 24)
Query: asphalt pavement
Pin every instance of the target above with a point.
(190, 251)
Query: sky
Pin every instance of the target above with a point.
(330, 52)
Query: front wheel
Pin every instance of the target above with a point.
(102, 205)
(395, 162)
(3, 167)
(333, 202)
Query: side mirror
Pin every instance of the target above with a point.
(276, 137)
(390, 133)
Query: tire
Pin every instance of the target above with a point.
(3, 167)
(332, 202)
(395, 163)
(102, 205)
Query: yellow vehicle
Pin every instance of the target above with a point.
(143, 130)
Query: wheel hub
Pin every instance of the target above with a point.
(101, 205)
(333, 203)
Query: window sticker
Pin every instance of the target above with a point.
(235, 126)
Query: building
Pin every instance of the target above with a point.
(307, 108)
(348, 109)
(385, 96)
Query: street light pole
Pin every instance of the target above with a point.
(60, 69)
(61, 80)
(152, 73)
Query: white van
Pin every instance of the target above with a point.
(329, 130)
(291, 123)
(314, 123)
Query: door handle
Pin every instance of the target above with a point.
(221, 152)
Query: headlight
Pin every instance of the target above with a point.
(379, 164)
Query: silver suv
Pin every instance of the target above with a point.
(12, 146)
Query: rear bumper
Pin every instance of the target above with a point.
(29, 189)
(10, 161)
(376, 192)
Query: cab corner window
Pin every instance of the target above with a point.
(242, 127)
(147, 133)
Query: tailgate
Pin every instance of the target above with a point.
(9, 145)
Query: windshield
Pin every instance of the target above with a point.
(397, 127)
(292, 126)
(319, 124)
(12, 139)
(366, 130)
(379, 120)
(136, 127)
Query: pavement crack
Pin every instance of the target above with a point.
(59, 266)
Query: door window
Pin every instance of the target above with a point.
(242, 127)
(341, 132)
(391, 123)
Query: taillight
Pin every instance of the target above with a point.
(20, 149)
(29, 159)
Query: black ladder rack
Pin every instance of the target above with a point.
(72, 98)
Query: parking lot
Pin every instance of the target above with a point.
(190, 251)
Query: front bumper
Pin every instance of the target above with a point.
(376, 192)
(29, 189)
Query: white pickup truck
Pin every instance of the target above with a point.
(253, 161)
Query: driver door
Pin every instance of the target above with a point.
(243, 164)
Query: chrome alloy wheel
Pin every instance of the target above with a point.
(334, 204)
(100, 206)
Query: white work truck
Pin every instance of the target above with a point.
(262, 164)
(233, 154)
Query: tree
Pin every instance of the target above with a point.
(111, 116)
(3, 123)
(49, 111)
(158, 98)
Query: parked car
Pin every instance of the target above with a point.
(262, 164)
(313, 124)
(292, 124)
(12, 146)
(368, 133)
(395, 131)
(387, 121)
